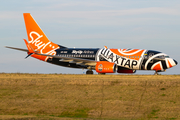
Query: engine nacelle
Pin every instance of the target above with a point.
(126, 71)
(105, 67)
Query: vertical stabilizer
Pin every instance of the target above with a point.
(36, 37)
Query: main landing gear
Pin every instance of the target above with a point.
(89, 72)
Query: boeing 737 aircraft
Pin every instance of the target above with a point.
(103, 60)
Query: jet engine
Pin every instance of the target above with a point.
(105, 67)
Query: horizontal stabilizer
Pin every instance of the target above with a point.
(25, 50)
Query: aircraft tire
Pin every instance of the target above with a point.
(156, 73)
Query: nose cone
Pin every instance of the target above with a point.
(171, 62)
(175, 62)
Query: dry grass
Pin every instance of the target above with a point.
(55, 96)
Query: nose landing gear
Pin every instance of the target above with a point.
(156, 73)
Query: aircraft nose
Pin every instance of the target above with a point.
(171, 62)
(175, 61)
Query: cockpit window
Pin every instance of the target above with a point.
(166, 56)
(161, 57)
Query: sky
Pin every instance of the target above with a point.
(142, 24)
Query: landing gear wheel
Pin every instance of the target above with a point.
(89, 72)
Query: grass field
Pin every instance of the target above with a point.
(56, 96)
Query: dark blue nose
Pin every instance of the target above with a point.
(175, 61)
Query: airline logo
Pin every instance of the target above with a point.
(80, 52)
(77, 52)
(100, 67)
(40, 45)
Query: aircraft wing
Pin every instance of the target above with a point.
(72, 60)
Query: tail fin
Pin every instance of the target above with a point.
(36, 37)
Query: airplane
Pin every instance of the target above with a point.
(102, 60)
